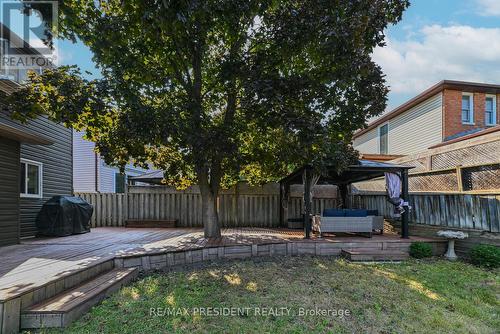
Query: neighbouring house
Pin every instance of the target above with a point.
(446, 111)
(468, 164)
(36, 161)
(92, 174)
(453, 185)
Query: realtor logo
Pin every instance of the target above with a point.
(26, 34)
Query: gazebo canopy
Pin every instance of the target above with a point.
(364, 170)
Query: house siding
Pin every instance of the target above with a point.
(84, 162)
(84, 168)
(412, 131)
(106, 177)
(10, 152)
(367, 142)
(418, 128)
(57, 166)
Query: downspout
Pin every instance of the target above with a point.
(96, 172)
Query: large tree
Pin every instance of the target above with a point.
(212, 91)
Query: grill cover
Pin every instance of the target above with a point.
(64, 215)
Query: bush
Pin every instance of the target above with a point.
(485, 256)
(420, 250)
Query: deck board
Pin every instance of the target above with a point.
(36, 262)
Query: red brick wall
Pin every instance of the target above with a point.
(452, 112)
(479, 109)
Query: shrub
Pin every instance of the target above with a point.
(485, 256)
(419, 250)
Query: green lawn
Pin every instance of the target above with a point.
(415, 296)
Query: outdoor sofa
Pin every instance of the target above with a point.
(377, 220)
(349, 221)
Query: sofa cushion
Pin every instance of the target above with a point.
(372, 212)
(356, 213)
(333, 213)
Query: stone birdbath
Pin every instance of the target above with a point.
(452, 236)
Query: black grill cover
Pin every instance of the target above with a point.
(64, 215)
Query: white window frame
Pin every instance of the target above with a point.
(494, 97)
(378, 137)
(40, 178)
(471, 111)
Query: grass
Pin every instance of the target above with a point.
(431, 296)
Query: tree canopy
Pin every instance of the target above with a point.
(213, 91)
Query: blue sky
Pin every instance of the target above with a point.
(441, 39)
(436, 39)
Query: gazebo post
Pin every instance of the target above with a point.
(307, 202)
(406, 198)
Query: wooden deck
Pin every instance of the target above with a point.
(37, 262)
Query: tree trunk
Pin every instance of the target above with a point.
(210, 216)
(209, 189)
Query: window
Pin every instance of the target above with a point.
(31, 179)
(383, 134)
(120, 180)
(467, 108)
(490, 108)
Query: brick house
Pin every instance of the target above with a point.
(445, 111)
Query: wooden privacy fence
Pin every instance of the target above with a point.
(243, 206)
(481, 212)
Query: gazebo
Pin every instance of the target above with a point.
(362, 171)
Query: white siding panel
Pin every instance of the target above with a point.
(413, 131)
(106, 177)
(367, 143)
(418, 128)
(83, 164)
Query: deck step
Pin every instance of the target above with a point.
(151, 223)
(374, 255)
(68, 306)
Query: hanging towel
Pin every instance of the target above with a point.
(393, 188)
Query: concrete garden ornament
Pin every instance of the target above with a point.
(452, 236)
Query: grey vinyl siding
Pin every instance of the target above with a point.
(9, 191)
(57, 167)
(417, 129)
(368, 142)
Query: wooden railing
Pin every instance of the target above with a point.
(244, 206)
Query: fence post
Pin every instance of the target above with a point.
(460, 181)
(125, 206)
